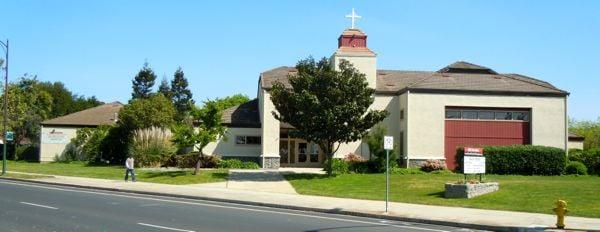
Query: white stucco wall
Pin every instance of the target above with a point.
(54, 141)
(576, 145)
(228, 147)
(270, 126)
(427, 115)
(365, 64)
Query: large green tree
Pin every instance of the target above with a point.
(143, 82)
(164, 87)
(326, 106)
(209, 130)
(28, 106)
(64, 101)
(141, 113)
(181, 95)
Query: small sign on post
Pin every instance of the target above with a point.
(10, 136)
(473, 162)
(388, 144)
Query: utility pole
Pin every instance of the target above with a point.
(5, 108)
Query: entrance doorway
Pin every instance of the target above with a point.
(299, 153)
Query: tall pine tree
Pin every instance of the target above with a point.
(143, 82)
(164, 87)
(181, 95)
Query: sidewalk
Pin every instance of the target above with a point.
(453, 216)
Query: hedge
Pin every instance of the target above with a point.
(590, 158)
(520, 160)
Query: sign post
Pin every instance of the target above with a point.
(9, 136)
(388, 144)
(473, 162)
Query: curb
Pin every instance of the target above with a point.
(333, 211)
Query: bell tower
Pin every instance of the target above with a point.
(352, 46)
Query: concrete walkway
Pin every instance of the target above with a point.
(259, 180)
(453, 216)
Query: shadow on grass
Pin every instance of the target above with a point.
(219, 175)
(439, 194)
(172, 174)
(291, 177)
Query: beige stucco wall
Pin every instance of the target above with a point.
(52, 147)
(270, 126)
(392, 123)
(575, 145)
(365, 64)
(228, 147)
(427, 115)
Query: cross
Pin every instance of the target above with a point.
(353, 16)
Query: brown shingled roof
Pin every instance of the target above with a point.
(575, 137)
(243, 115)
(99, 115)
(458, 77)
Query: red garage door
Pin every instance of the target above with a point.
(483, 127)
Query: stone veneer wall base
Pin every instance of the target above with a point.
(469, 190)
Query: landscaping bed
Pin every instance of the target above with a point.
(81, 169)
(535, 194)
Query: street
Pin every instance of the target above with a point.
(38, 207)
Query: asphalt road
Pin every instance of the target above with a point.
(37, 207)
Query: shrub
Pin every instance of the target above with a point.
(406, 171)
(152, 147)
(432, 165)
(576, 167)
(237, 164)
(86, 146)
(521, 160)
(338, 166)
(590, 158)
(27, 152)
(351, 157)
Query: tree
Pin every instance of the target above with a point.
(164, 87)
(209, 130)
(231, 101)
(375, 139)
(143, 82)
(181, 94)
(326, 106)
(590, 130)
(64, 101)
(141, 113)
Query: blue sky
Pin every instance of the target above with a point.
(97, 47)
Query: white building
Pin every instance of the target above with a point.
(57, 133)
(431, 112)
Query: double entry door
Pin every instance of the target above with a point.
(299, 153)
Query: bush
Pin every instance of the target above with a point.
(237, 164)
(27, 152)
(521, 160)
(152, 147)
(575, 167)
(432, 165)
(339, 166)
(406, 171)
(590, 158)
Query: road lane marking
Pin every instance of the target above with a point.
(43, 206)
(164, 227)
(214, 205)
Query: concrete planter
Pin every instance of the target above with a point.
(469, 190)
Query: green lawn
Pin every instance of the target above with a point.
(118, 173)
(517, 193)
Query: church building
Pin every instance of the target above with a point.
(431, 112)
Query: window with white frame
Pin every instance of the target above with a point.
(249, 140)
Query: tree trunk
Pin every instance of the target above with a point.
(198, 163)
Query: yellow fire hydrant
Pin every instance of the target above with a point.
(561, 211)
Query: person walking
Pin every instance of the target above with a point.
(129, 162)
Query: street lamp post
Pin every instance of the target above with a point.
(5, 47)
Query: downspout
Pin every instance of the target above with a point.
(406, 134)
(566, 128)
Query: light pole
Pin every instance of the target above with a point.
(5, 108)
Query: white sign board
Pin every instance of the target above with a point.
(54, 138)
(388, 143)
(473, 164)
